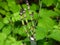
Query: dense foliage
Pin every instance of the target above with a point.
(19, 21)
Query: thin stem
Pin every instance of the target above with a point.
(40, 5)
(25, 29)
(27, 3)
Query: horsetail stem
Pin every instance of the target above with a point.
(27, 3)
(32, 30)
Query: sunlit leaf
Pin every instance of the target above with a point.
(41, 33)
(48, 2)
(55, 35)
(17, 43)
(2, 36)
(7, 30)
(47, 13)
(1, 25)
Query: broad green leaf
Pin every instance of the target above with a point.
(1, 25)
(1, 42)
(59, 0)
(41, 33)
(6, 30)
(7, 42)
(16, 30)
(47, 13)
(13, 19)
(15, 16)
(12, 39)
(0, 0)
(57, 10)
(4, 6)
(29, 25)
(3, 12)
(2, 36)
(48, 2)
(55, 35)
(13, 6)
(20, 31)
(34, 7)
(46, 23)
(17, 43)
(48, 43)
(35, 15)
(6, 20)
(45, 43)
(1, 19)
(26, 39)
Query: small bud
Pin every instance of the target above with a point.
(28, 7)
(21, 14)
(24, 11)
(31, 38)
(27, 4)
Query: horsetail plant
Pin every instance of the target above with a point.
(31, 22)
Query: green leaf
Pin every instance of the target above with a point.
(55, 34)
(27, 13)
(10, 40)
(34, 7)
(7, 42)
(20, 31)
(1, 42)
(59, 0)
(13, 6)
(6, 20)
(26, 39)
(2, 36)
(29, 25)
(47, 13)
(6, 30)
(41, 33)
(0, 0)
(4, 6)
(48, 2)
(1, 25)
(17, 43)
(45, 43)
(46, 23)
(57, 10)
(3, 12)
(15, 16)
